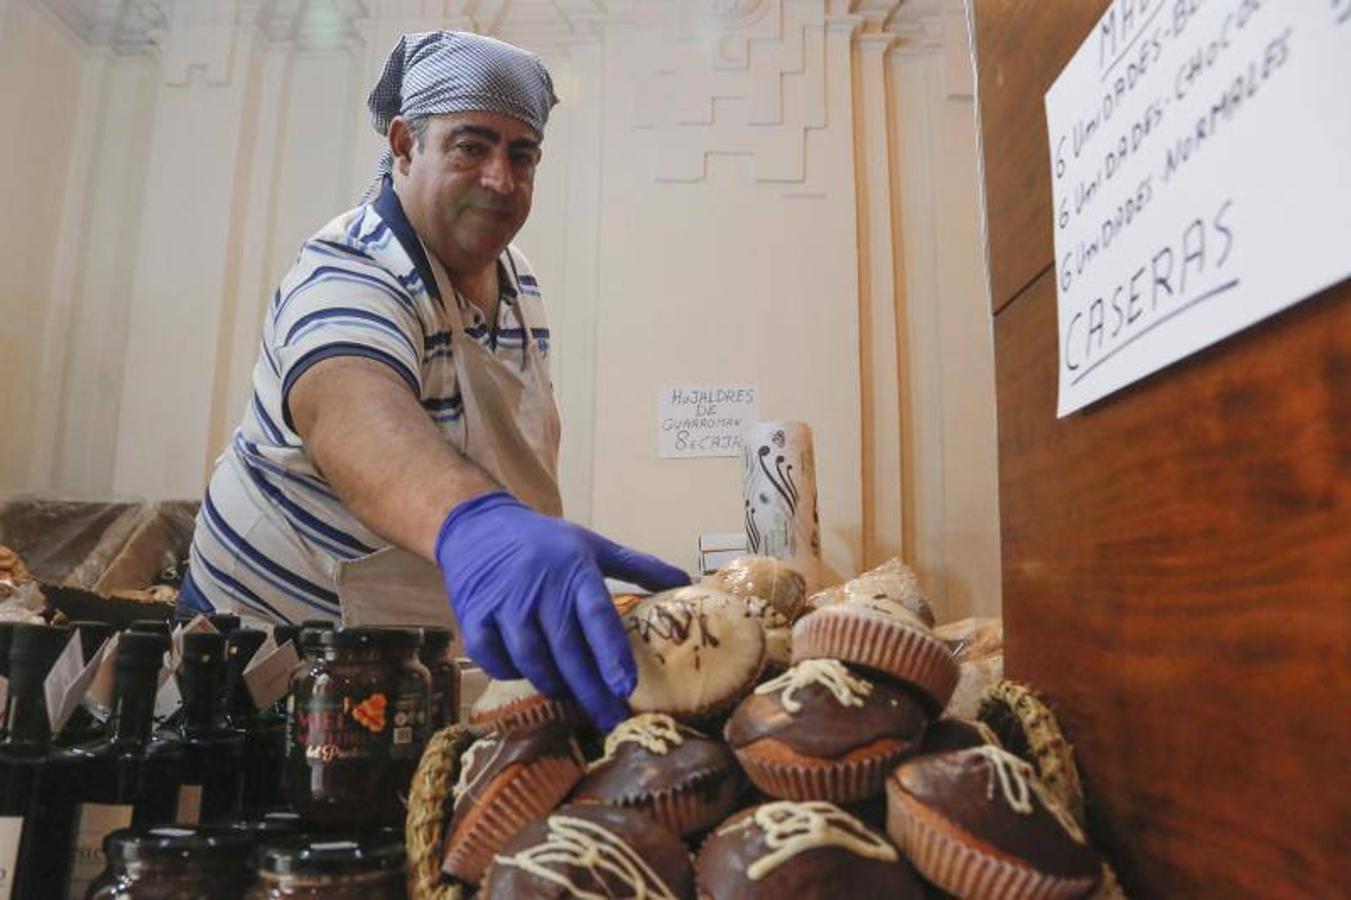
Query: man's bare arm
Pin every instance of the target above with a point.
(381, 452)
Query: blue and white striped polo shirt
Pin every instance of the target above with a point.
(271, 531)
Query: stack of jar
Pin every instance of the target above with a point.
(220, 799)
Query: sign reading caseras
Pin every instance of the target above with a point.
(1201, 179)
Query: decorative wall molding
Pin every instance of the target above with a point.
(739, 78)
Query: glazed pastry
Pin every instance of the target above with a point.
(883, 635)
(778, 637)
(505, 781)
(698, 651)
(979, 824)
(584, 851)
(1028, 728)
(806, 851)
(771, 580)
(505, 705)
(823, 732)
(680, 777)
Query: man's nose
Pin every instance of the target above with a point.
(496, 173)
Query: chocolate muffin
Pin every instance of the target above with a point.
(505, 705)
(950, 733)
(823, 732)
(591, 851)
(979, 824)
(698, 651)
(682, 778)
(506, 780)
(807, 851)
(881, 634)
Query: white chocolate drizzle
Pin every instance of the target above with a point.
(574, 843)
(463, 784)
(848, 688)
(655, 732)
(1018, 783)
(790, 828)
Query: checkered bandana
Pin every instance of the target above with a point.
(439, 72)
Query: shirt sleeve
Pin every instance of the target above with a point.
(340, 302)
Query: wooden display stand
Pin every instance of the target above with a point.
(1177, 557)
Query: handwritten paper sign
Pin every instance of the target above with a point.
(1201, 174)
(704, 421)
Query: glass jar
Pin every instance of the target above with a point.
(208, 862)
(273, 824)
(356, 726)
(368, 867)
(445, 675)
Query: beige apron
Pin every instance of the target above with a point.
(511, 430)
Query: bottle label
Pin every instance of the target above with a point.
(11, 829)
(189, 805)
(94, 822)
(329, 726)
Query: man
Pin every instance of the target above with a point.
(402, 417)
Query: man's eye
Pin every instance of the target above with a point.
(471, 149)
(525, 158)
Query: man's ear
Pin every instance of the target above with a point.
(401, 144)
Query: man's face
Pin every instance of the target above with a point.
(467, 188)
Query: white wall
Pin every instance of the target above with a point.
(777, 192)
(40, 71)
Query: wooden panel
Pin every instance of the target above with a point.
(1021, 46)
(1177, 579)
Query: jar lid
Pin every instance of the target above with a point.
(363, 638)
(150, 626)
(274, 824)
(435, 642)
(208, 843)
(332, 854)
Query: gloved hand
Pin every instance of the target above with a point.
(531, 601)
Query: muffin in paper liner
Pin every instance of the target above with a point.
(673, 773)
(684, 810)
(952, 864)
(859, 634)
(519, 794)
(852, 778)
(508, 705)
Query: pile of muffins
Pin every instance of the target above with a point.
(781, 746)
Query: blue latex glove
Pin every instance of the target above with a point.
(532, 603)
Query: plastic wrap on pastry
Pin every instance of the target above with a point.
(772, 580)
(978, 645)
(893, 580)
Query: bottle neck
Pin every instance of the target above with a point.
(200, 683)
(26, 721)
(133, 715)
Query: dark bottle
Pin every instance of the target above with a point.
(284, 633)
(264, 730)
(445, 677)
(176, 863)
(6, 635)
(30, 866)
(82, 727)
(225, 623)
(211, 778)
(151, 626)
(128, 778)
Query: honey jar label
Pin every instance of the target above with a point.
(11, 829)
(327, 727)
